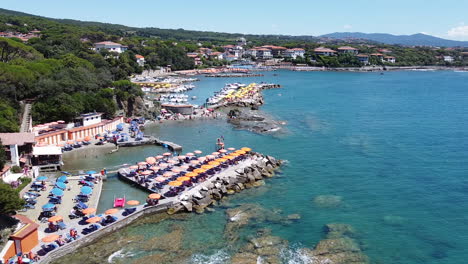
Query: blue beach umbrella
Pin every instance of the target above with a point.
(41, 178)
(86, 190)
(57, 192)
(61, 185)
(90, 172)
(90, 184)
(62, 179)
(48, 206)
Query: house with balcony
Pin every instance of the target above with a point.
(294, 53)
(348, 50)
(363, 58)
(264, 54)
(140, 60)
(321, 51)
(110, 46)
(390, 59)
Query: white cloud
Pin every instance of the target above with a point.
(460, 32)
(347, 26)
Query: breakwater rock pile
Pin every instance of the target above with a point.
(253, 120)
(218, 186)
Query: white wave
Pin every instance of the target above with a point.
(294, 255)
(118, 254)
(220, 257)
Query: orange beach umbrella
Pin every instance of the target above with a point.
(167, 154)
(246, 149)
(190, 154)
(133, 167)
(146, 172)
(111, 211)
(182, 179)
(50, 238)
(55, 218)
(87, 138)
(231, 149)
(214, 163)
(151, 160)
(191, 174)
(94, 219)
(133, 202)
(199, 170)
(207, 167)
(89, 210)
(198, 152)
(175, 183)
(154, 196)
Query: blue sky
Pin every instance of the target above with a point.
(443, 18)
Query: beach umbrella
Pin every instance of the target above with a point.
(111, 211)
(194, 162)
(207, 167)
(154, 168)
(167, 154)
(176, 170)
(133, 202)
(199, 170)
(55, 218)
(231, 149)
(88, 210)
(240, 152)
(246, 149)
(142, 163)
(87, 138)
(62, 178)
(90, 172)
(41, 178)
(182, 179)
(159, 157)
(151, 160)
(175, 183)
(184, 167)
(69, 142)
(86, 190)
(215, 153)
(172, 161)
(201, 159)
(163, 165)
(58, 145)
(190, 154)
(93, 220)
(191, 174)
(57, 192)
(146, 172)
(210, 156)
(133, 167)
(160, 179)
(61, 185)
(167, 174)
(198, 152)
(78, 140)
(181, 157)
(50, 238)
(214, 163)
(48, 206)
(154, 196)
(222, 151)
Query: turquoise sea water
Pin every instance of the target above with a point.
(392, 146)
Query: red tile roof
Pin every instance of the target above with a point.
(346, 48)
(17, 138)
(138, 56)
(322, 49)
(108, 43)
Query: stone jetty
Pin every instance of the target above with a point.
(248, 172)
(221, 75)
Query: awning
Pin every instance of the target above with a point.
(49, 150)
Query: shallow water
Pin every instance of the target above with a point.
(393, 147)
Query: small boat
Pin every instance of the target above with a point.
(119, 202)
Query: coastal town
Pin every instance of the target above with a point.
(103, 126)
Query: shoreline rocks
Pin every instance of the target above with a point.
(253, 120)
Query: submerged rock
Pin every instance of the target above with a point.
(393, 220)
(327, 201)
(337, 230)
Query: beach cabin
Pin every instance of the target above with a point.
(23, 240)
(110, 46)
(294, 53)
(348, 50)
(321, 51)
(17, 146)
(47, 158)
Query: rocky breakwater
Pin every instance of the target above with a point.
(257, 167)
(254, 120)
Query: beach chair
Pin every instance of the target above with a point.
(62, 225)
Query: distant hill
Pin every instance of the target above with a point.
(409, 40)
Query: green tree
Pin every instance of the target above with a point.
(9, 200)
(8, 119)
(2, 155)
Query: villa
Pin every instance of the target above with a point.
(348, 50)
(324, 51)
(363, 58)
(294, 53)
(140, 60)
(390, 59)
(276, 51)
(264, 53)
(110, 46)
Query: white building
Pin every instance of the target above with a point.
(448, 58)
(363, 58)
(110, 46)
(324, 51)
(89, 119)
(263, 53)
(294, 53)
(140, 60)
(390, 59)
(348, 50)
